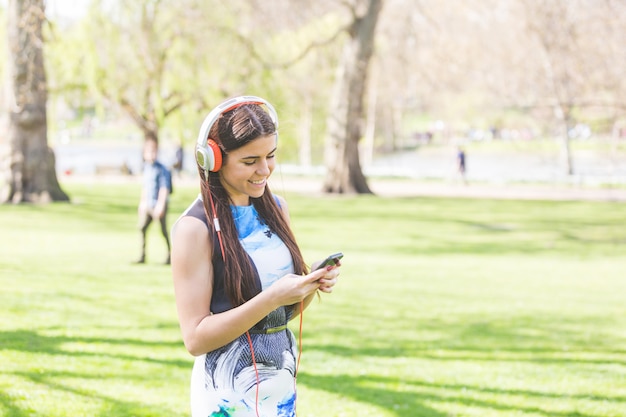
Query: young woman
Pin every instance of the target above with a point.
(239, 275)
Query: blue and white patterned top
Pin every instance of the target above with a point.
(269, 253)
(224, 381)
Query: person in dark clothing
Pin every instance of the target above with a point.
(461, 163)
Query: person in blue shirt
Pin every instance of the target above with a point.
(154, 199)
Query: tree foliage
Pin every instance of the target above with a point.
(518, 64)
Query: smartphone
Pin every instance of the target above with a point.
(331, 260)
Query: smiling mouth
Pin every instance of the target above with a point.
(259, 182)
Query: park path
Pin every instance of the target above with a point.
(428, 172)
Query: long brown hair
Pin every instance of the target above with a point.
(232, 130)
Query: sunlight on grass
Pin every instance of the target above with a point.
(445, 308)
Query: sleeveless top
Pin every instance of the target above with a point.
(224, 381)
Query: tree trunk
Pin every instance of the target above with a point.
(306, 123)
(367, 151)
(27, 163)
(562, 114)
(566, 152)
(344, 173)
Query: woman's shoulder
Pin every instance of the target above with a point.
(193, 217)
(196, 210)
(282, 205)
(189, 227)
(280, 200)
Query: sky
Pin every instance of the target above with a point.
(71, 9)
(67, 9)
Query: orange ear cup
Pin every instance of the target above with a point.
(217, 155)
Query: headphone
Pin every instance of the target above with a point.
(208, 152)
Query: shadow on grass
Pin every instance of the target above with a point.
(33, 342)
(499, 342)
(518, 339)
(576, 347)
(11, 409)
(425, 226)
(560, 343)
(418, 394)
(363, 389)
(459, 235)
(111, 406)
(114, 215)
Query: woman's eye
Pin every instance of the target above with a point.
(271, 156)
(249, 163)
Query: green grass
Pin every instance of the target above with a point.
(446, 307)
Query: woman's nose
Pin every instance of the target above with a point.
(264, 168)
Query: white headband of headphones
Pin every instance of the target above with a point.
(227, 105)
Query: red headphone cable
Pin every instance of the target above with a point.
(256, 373)
(300, 338)
(216, 223)
(256, 370)
(295, 377)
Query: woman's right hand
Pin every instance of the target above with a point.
(292, 288)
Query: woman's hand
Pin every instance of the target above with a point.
(329, 279)
(292, 289)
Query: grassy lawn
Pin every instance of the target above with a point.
(446, 307)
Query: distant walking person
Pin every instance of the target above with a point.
(461, 163)
(155, 193)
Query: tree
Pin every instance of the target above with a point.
(516, 64)
(344, 173)
(568, 58)
(135, 59)
(155, 58)
(555, 28)
(28, 163)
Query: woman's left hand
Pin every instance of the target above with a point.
(330, 278)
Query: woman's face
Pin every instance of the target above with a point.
(246, 169)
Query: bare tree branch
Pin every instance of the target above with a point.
(314, 45)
